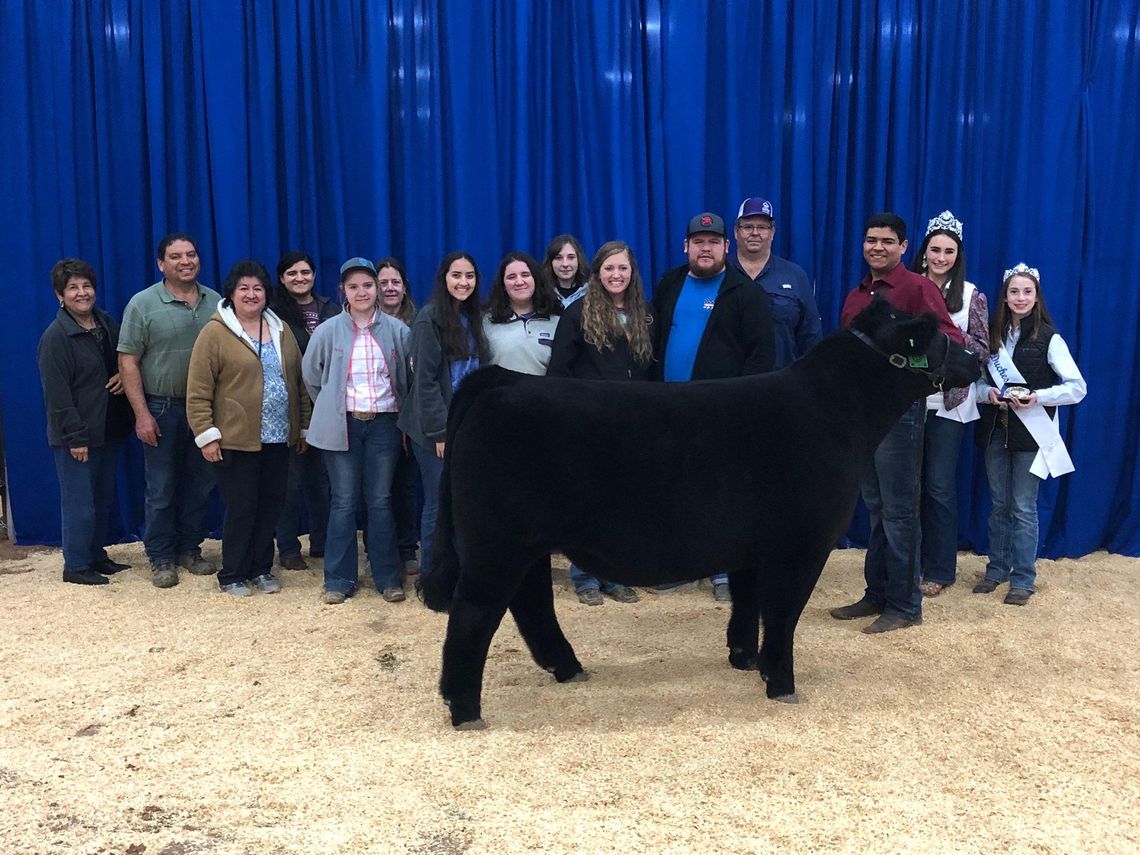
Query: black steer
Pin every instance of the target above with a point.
(642, 483)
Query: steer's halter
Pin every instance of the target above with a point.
(936, 374)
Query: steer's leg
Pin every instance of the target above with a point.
(744, 624)
(533, 611)
(783, 595)
(477, 609)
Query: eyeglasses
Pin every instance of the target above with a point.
(755, 228)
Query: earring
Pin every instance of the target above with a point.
(924, 262)
(61, 304)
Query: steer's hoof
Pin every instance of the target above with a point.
(475, 724)
(742, 660)
(793, 698)
(580, 677)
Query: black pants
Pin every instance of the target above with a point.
(405, 504)
(252, 484)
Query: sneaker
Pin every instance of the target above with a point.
(84, 577)
(266, 584)
(622, 594)
(986, 586)
(411, 567)
(721, 594)
(237, 589)
(590, 597)
(1017, 596)
(108, 567)
(393, 595)
(671, 587)
(294, 562)
(864, 608)
(196, 564)
(165, 575)
(889, 622)
(333, 598)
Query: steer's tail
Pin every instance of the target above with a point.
(437, 587)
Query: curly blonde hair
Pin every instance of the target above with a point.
(601, 325)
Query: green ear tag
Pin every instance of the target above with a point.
(918, 362)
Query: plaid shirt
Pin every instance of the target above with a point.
(369, 386)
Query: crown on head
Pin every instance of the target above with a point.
(946, 221)
(1021, 268)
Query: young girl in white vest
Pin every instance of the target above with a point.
(1030, 374)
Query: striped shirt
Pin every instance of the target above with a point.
(369, 386)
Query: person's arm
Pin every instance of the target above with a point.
(130, 375)
(59, 398)
(757, 332)
(313, 362)
(201, 386)
(427, 359)
(809, 330)
(567, 339)
(1072, 387)
(978, 327)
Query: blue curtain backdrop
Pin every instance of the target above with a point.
(415, 127)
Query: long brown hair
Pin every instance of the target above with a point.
(955, 276)
(1003, 317)
(601, 325)
(499, 304)
(552, 251)
(457, 335)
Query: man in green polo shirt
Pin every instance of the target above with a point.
(159, 327)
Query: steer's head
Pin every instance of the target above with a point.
(913, 344)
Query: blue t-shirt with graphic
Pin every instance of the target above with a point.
(690, 317)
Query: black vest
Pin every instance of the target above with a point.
(1031, 356)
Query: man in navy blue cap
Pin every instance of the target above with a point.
(711, 323)
(794, 311)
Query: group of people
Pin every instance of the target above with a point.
(289, 401)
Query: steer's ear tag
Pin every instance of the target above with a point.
(919, 362)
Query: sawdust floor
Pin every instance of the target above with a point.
(176, 721)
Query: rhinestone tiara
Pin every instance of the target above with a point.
(1021, 267)
(947, 221)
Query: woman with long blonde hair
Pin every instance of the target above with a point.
(607, 335)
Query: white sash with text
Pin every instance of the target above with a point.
(1052, 456)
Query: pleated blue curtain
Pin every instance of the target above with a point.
(415, 127)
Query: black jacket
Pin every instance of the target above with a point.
(738, 339)
(573, 356)
(287, 309)
(81, 412)
(1032, 360)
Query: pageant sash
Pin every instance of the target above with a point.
(1052, 456)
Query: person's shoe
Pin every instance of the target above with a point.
(721, 594)
(986, 586)
(196, 564)
(165, 575)
(85, 577)
(294, 562)
(591, 597)
(393, 595)
(1017, 596)
(237, 589)
(411, 567)
(333, 598)
(316, 553)
(266, 583)
(864, 608)
(931, 589)
(108, 567)
(622, 594)
(671, 587)
(889, 622)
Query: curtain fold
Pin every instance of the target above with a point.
(416, 127)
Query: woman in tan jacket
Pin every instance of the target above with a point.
(246, 407)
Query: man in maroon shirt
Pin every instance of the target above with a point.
(890, 486)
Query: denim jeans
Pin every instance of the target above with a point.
(940, 498)
(365, 470)
(178, 485)
(431, 468)
(86, 491)
(583, 581)
(1013, 519)
(890, 489)
(307, 480)
(405, 504)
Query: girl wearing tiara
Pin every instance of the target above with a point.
(942, 259)
(1030, 374)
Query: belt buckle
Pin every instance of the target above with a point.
(363, 417)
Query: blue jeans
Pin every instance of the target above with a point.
(583, 581)
(1013, 519)
(86, 491)
(178, 485)
(307, 479)
(890, 489)
(431, 468)
(940, 499)
(365, 470)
